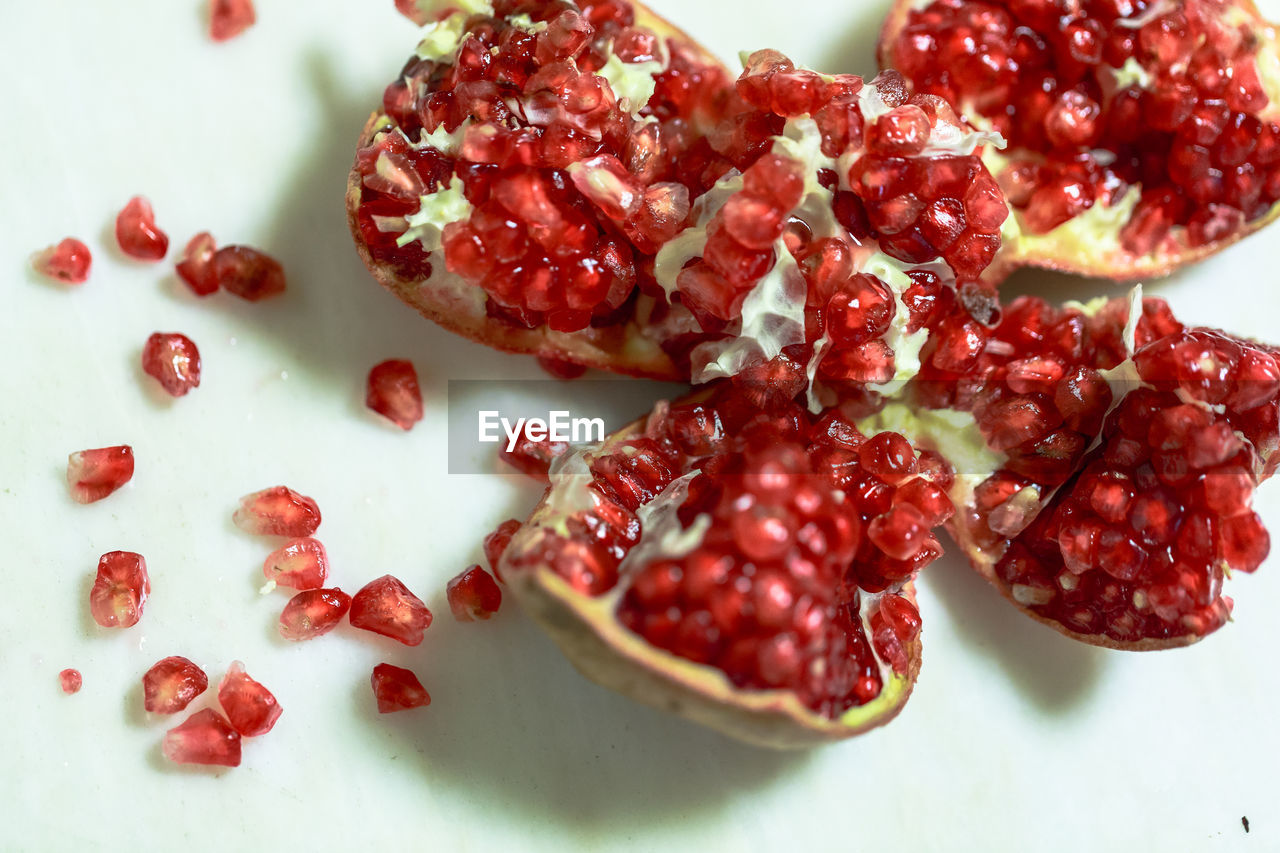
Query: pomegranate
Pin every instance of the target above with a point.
(68, 262)
(172, 684)
(70, 681)
(301, 564)
(196, 267)
(229, 18)
(120, 589)
(94, 474)
(204, 738)
(397, 689)
(173, 361)
(393, 392)
(250, 707)
(278, 511)
(137, 233)
(473, 595)
(1143, 135)
(313, 613)
(386, 606)
(248, 273)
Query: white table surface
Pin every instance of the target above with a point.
(1015, 738)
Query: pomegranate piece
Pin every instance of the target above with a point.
(229, 18)
(313, 612)
(137, 233)
(250, 707)
(248, 273)
(204, 738)
(196, 267)
(473, 595)
(67, 262)
(278, 511)
(172, 684)
(173, 361)
(386, 606)
(393, 392)
(301, 564)
(120, 589)
(495, 544)
(94, 474)
(70, 681)
(397, 689)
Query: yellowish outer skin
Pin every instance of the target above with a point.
(590, 635)
(1102, 256)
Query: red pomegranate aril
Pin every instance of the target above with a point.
(120, 589)
(70, 681)
(248, 273)
(386, 606)
(278, 511)
(301, 564)
(172, 360)
(172, 684)
(251, 708)
(495, 544)
(397, 689)
(68, 262)
(196, 267)
(204, 738)
(94, 474)
(229, 18)
(313, 613)
(137, 233)
(393, 392)
(474, 595)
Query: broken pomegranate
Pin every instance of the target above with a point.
(172, 684)
(173, 361)
(120, 589)
(1143, 135)
(473, 595)
(94, 474)
(250, 707)
(301, 564)
(397, 689)
(393, 392)
(204, 738)
(229, 18)
(248, 273)
(386, 606)
(196, 267)
(68, 262)
(278, 511)
(70, 681)
(312, 613)
(137, 233)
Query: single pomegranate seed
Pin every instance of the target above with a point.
(393, 392)
(495, 544)
(68, 262)
(560, 368)
(70, 681)
(229, 18)
(397, 689)
(248, 273)
(250, 707)
(302, 564)
(313, 612)
(94, 474)
(278, 511)
(204, 738)
(172, 684)
(137, 234)
(473, 595)
(173, 361)
(119, 590)
(196, 267)
(386, 606)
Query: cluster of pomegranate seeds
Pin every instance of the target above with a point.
(229, 18)
(172, 684)
(68, 262)
(397, 689)
(393, 392)
(94, 474)
(120, 589)
(312, 613)
(1099, 97)
(196, 267)
(70, 681)
(248, 273)
(173, 361)
(386, 606)
(495, 544)
(278, 511)
(473, 595)
(301, 564)
(250, 707)
(204, 738)
(137, 233)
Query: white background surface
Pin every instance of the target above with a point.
(1015, 738)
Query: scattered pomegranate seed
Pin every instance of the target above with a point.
(68, 262)
(301, 564)
(560, 368)
(119, 590)
(137, 234)
(70, 680)
(196, 267)
(393, 392)
(94, 474)
(386, 606)
(313, 612)
(397, 689)
(250, 707)
(205, 738)
(495, 544)
(278, 511)
(473, 595)
(173, 361)
(172, 684)
(229, 18)
(248, 273)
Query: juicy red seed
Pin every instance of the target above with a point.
(136, 231)
(302, 564)
(229, 18)
(386, 606)
(312, 613)
(397, 689)
(473, 595)
(495, 544)
(172, 684)
(173, 361)
(888, 456)
(900, 533)
(248, 273)
(68, 262)
(204, 738)
(94, 474)
(250, 707)
(70, 681)
(120, 589)
(278, 511)
(196, 267)
(561, 369)
(393, 392)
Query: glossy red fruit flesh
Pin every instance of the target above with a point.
(70, 681)
(172, 360)
(94, 474)
(248, 273)
(204, 738)
(68, 262)
(473, 595)
(251, 708)
(393, 392)
(172, 684)
(301, 564)
(386, 606)
(229, 18)
(495, 544)
(137, 233)
(397, 689)
(196, 267)
(278, 511)
(120, 589)
(313, 613)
